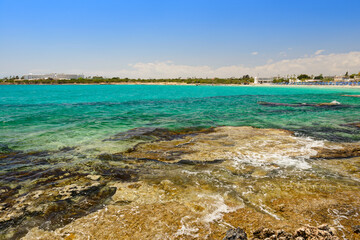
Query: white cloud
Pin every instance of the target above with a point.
(283, 54)
(320, 51)
(254, 53)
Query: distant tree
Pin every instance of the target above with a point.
(320, 77)
(346, 74)
(303, 77)
(280, 80)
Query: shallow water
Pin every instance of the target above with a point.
(70, 167)
(49, 117)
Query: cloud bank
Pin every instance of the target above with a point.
(331, 64)
(318, 63)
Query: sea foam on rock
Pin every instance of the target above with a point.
(242, 144)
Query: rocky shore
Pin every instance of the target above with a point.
(188, 184)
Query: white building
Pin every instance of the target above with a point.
(341, 79)
(258, 80)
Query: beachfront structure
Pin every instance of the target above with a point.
(57, 76)
(341, 79)
(258, 80)
(293, 80)
(313, 80)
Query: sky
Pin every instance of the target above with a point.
(179, 38)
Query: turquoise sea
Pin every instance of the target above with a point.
(50, 117)
(75, 157)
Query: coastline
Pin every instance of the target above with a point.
(192, 84)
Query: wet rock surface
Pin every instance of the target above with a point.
(219, 144)
(184, 185)
(338, 151)
(356, 96)
(225, 143)
(36, 191)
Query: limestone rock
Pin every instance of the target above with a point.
(266, 233)
(235, 234)
(323, 232)
(338, 151)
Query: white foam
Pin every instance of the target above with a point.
(207, 172)
(186, 228)
(263, 208)
(264, 154)
(217, 208)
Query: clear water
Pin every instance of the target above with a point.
(51, 117)
(57, 133)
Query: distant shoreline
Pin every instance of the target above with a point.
(190, 84)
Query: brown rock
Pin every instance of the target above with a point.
(263, 233)
(356, 96)
(323, 232)
(344, 151)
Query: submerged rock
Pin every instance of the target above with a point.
(135, 133)
(355, 124)
(149, 133)
(333, 103)
(356, 228)
(57, 201)
(5, 148)
(94, 177)
(235, 234)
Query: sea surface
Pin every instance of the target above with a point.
(51, 117)
(56, 136)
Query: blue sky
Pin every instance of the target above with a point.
(110, 37)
